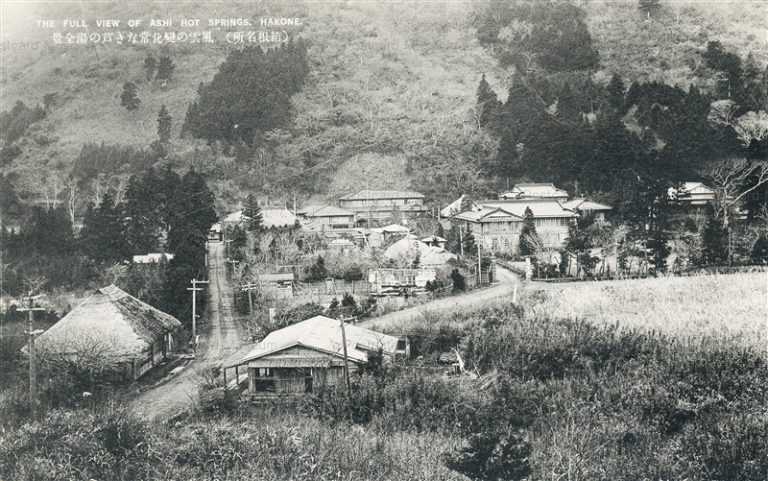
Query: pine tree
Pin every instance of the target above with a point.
(469, 243)
(150, 65)
(568, 105)
(252, 214)
(164, 125)
(528, 235)
(102, 237)
(318, 270)
(129, 98)
(165, 68)
(714, 241)
(192, 210)
(487, 103)
(143, 206)
(616, 90)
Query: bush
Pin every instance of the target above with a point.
(458, 281)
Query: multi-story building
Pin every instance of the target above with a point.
(375, 207)
(496, 225)
(327, 218)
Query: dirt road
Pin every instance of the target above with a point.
(222, 336)
(504, 289)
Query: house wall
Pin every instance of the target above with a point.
(504, 236)
(294, 380)
(388, 203)
(295, 371)
(334, 222)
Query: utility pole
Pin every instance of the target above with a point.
(479, 267)
(31, 332)
(250, 286)
(346, 366)
(194, 290)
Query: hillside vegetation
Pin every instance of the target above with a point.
(557, 398)
(393, 82)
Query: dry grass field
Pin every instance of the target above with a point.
(731, 307)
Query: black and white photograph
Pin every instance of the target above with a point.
(384, 240)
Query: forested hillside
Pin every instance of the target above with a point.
(389, 98)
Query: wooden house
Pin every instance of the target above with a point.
(496, 225)
(588, 207)
(310, 355)
(327, 217)
(123, 335)
(375, 207)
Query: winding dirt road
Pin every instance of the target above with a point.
(223, 336)
(504, 289)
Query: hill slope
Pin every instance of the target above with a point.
(391, 83)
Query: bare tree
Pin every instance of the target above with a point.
(752, 126)
(722, 112)
(72, 199)
(732, 180)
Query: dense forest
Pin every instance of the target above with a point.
(159, 211)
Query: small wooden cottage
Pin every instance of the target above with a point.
(309, 355)
(124, 336)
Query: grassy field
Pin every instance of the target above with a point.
(562, 398)
(731, 307)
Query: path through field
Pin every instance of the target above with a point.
(504, 289)
(222, 337)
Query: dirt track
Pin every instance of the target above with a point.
(222, 336)
(504, 289)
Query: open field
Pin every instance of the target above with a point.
(731, 307)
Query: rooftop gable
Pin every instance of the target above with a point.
(383, 195)
(324, 335)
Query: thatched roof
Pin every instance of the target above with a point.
(111, 320)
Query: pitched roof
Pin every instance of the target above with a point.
(455, 207)
(541, 208)
(341, 243)
(111, 319)
(279, 217)
(542, 190)
(270, 217)
(408, 247)
(324, 334)
(276, 277)
(487, 213)
(433, 238)
(152, 258)
(585, 205)
(383, 194)
(233, 217)
(395, 228)
(691, 188)
(328, 211)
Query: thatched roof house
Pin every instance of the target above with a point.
(130, 335)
